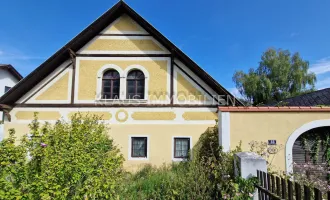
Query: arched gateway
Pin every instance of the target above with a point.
(295, 135)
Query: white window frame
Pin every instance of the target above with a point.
(130, 147)
(190, 145)
(122, 86)
(146, 81)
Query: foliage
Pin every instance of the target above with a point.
(268, 152)
(313, 180)
(313, 140)
(73, 160)
(12, 168)
(314, 172)
(280, 75)
(210, 175)
(304, 176)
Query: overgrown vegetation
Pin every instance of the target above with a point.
(73, 160)
(77, 160)
(306, 175)
(210, 175)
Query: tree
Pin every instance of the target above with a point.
(68, 160)
(280, 75)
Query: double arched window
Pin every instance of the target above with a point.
(135, 85)
(110, 85)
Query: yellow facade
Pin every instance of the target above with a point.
(153, 115)
(186, 91)
(124, 45)
(200, 116)
(57, 91)
(160, 139)
(88, 76)
(42, 115)
(264, 126)
(124, 24)
(102, 115)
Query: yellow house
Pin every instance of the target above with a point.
(156, 100)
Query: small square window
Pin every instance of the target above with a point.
(181, 147)
(139, 147)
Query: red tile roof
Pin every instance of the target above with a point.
(274, 109)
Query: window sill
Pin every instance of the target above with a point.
(138, 158)
(179, 159)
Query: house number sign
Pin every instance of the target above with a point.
(271, 142)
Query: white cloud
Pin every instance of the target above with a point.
(1, 52)
(321, 66)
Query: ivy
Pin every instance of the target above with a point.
(312, 141)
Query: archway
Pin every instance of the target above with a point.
(311, 148)
(295, 135)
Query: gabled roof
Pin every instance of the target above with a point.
(89, 33)
(316, 98)
(11, 70)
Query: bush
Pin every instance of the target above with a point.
(210, 175)
(73, 160)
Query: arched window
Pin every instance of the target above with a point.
(110, 85)
(135, 84)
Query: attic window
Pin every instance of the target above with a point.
(110, 85)
(135, 84)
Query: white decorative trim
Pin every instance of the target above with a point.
(196, 77)
(179, 120)
(224, 130)
(190, 145)
(207, 100)
(146, 81)
(54, 81)
(293, 137)
(130, 147)
(78, 59)
(100, 76)
(43, 82)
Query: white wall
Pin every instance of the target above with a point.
(6, 79)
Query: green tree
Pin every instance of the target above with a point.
(280, 75)
(68, 160)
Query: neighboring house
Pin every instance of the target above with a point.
(156, 99)
(8, 78)
(316, 98)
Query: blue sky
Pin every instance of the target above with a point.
(220, 35)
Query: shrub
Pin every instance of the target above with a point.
(73, 160)
(210, 175)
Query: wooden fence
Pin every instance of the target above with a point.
(272, 187)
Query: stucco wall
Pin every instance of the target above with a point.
(160, 139)
(264, 126)
(88, 69)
